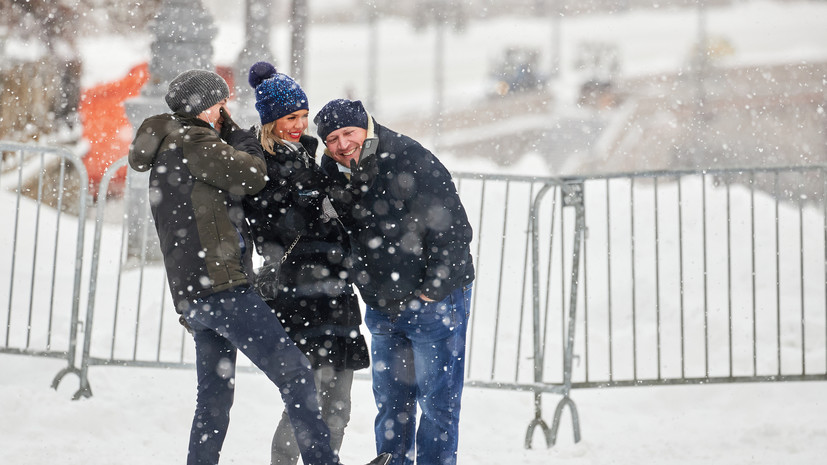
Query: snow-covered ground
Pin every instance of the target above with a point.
(142, 415)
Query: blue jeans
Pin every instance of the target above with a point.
(237, 319)
(419, 359)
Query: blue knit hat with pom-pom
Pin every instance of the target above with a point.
(277, 94)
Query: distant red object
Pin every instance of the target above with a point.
(106, 127)
(227, 73)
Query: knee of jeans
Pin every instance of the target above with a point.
(338, 421)
(444, 414)
(216, 401)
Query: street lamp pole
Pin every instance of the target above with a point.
(556, 34)
(373, 55)
(701, 59)
(257, 43)
(298, 20)
(439, 72)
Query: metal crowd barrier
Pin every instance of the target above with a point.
(678, 277)
(642, 279)
(42, 252)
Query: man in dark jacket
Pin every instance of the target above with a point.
(410, 239)
(201, 164)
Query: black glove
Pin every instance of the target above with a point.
(305, 179)
(307, 185)
(266, 282)
(228, 126)
(363, 173)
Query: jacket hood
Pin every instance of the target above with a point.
(148, 139)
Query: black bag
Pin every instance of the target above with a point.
(267, 277)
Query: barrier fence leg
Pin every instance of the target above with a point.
(84, 391)
(550, 434)
(59, 377)
(551, 439)
(537, 422)
(572, 197)
(70, 368)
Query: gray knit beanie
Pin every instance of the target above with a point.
(196, 90)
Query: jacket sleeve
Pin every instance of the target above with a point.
(148, 139)
(237, 167)
(448, 233)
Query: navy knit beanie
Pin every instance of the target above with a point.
(338, 114)
(277, 94)
(196, 90)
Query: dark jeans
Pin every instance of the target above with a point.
(237, 319)
(419, 358)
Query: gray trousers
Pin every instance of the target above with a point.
(333, 390)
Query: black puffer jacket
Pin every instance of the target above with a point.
(196, 184)
(409, 232)
(316, 303)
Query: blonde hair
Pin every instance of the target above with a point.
(268, 138)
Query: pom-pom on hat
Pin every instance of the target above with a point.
(277, 94)
(196, 90)
(340, 113)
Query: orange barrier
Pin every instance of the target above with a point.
(106, 127)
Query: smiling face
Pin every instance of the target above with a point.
(291, 127)
(345, 144)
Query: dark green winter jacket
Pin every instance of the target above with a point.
(196, 184)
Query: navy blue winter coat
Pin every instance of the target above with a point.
(409, 232)
(316, 303)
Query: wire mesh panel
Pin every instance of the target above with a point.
(499, 343)
(703, 277)
(134, 319)
(43, 192)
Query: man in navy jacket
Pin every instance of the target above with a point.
(410, 241)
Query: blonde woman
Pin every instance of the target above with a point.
(315, 302)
